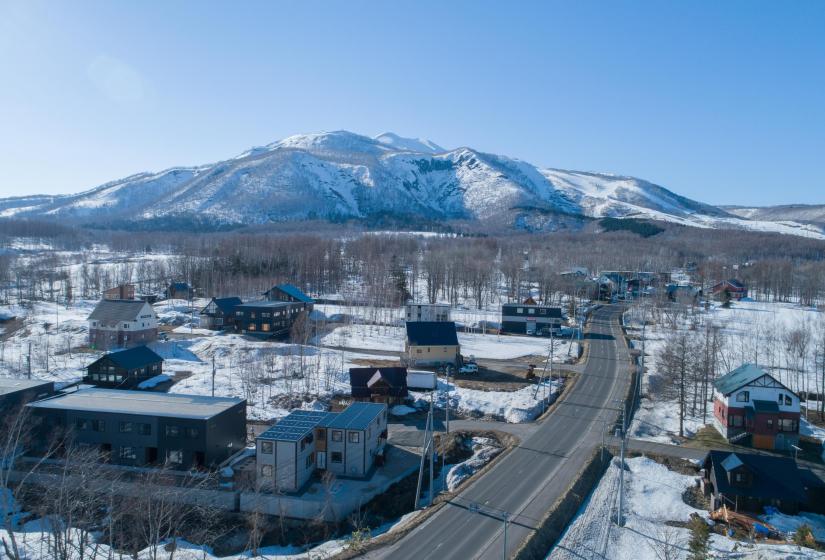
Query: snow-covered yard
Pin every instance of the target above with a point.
(751, 332)
(653, 498)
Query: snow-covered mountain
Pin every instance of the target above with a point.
(804, 213)
(341, 175)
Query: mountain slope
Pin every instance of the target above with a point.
(803, 213)
(341, 175)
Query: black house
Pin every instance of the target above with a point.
(749, 482)
(382, 384)
(219, 314)
(125, 369)
(131, 428)
(525, 318)
(267, 318)
(14, 393)
(289, 293)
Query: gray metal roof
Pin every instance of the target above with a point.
(357, 416)
(169, 405)
(110, 311)
(295, 425)
(10, 385)
(266, 303)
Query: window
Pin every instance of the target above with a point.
(145, 429)
(174, 456)
(740, 478)
(336, 457)
(788, 425)
(744, 396)
(735, 421)
(128, 453)
(781, 398)
(266, 471)
(192, 433)
(531, 311)
(265, 327)
(788, 400)
(770, 423)
(99, 425)
(251, 327)
(337, 435)
(520, 310)
(125, 427)
(172, 431)
(83, 424)
(310, 460)
(266, 447)
(354, 437)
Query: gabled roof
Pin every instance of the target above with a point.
(133, 358)
(117, 310)
(179, 286)
(292, 291)
(773, 477)
(395, 377)
(357, 416)
(226, 305)
(741, 376)
(432, 333)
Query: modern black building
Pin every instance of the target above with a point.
(523, 318)
(219, 314)
(125, 369)
(289, 293)
(142, 428)
(267, 318)
(14, 393)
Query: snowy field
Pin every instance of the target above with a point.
(482, 346)
(751, 332)
(654, 497)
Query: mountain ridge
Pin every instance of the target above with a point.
(342, 175)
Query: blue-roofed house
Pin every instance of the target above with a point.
(179, 290)
(432, 343)
(125, 369)
(346, 443)
(290, 293)
(750, 406)
(219, 313)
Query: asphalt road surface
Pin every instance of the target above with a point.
(527, 482)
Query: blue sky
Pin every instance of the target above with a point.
(719, 101)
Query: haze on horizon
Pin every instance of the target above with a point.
(721, 103)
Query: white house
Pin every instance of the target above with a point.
(426, 312)
(750, 403)
(122, 323)
(345, 443)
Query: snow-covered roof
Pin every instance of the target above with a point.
(732, 462)
(9, 385)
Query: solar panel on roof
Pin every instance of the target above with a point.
(295, 425)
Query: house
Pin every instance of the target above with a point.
(122, 323)
(14, 392)
(288, 293)
(125, 369)
(748, 482)
(124, 291)
(267, 318)
(750, 404)
(520, 318)
(219, 313)
(346, 444)
(580, 272)
(145, 428)
(179, 290)
(432, 343)
(730, 289)
(426, 312)
(386, 385)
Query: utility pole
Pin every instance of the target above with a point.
(619, 516)
(29, 361)
(213, 375)
(425, 447)
(506, 518)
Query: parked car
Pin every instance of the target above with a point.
(468, 369)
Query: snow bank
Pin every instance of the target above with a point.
(484, 450)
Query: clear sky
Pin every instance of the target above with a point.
(719, 101)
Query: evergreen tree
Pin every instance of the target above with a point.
(699, 543)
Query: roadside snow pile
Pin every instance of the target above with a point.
(154, 381)
(484, 450)
(790, 523)
(654, 501)
(514, 407)
(810, 430)
(401, 410)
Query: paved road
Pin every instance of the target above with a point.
(528, 480)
